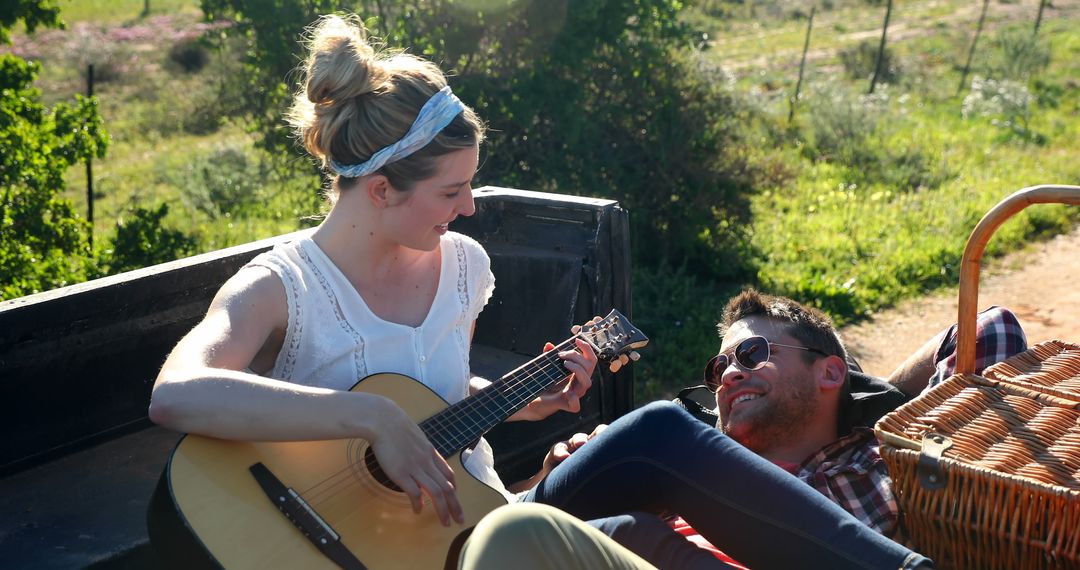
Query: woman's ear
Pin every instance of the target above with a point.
(832, 372)
(377, 189)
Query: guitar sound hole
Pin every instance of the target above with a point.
(376, 471)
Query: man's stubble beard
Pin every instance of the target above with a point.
(786, 413)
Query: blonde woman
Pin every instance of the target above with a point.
(381, 285)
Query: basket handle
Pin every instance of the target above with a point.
(969, 265)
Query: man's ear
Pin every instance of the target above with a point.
(832, 371)
(377, 189)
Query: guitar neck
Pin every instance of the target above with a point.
(461, 424)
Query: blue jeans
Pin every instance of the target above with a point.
(659, 459)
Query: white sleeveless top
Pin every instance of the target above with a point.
(334, 340)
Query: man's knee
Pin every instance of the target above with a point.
(663, 413)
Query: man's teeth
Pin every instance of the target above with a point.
(745, 397)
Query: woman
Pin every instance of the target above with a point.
(380, 286)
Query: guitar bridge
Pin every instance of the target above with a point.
(304, 518)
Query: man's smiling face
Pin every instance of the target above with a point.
(759, 408)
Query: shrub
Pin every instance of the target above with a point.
(852, 129)
(142, 239)
(189, 54)
(842, 124)
(678, 312)
(90, 46)
(1007, 103)
(1015, 54)
(224, 182)
(42, 240)
(860, 62)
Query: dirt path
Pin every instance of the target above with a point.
(1040, 284)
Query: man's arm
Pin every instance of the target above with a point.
(913, 374)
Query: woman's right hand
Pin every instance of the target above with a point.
(414, 465)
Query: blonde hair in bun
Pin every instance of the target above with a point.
(355, 98)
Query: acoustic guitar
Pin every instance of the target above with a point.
(326, 504)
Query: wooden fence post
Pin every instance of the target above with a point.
(90, 162)
(881, 48)
(971, 52)
(1038, 19)
(802, 65)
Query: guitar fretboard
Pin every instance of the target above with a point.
(461, 424)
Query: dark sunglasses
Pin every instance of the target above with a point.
(750, 354)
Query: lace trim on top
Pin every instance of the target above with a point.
(294, 329)
(462, 279)
(358, 340)
(463, 295)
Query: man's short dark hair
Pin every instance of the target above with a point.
(813, 328)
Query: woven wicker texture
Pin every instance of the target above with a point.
(1052, 367)
(1012, 492)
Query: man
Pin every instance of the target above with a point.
(783, 392)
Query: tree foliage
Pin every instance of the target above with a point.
(33, 13)
(590, 97)
(142, 240)
(42, 240)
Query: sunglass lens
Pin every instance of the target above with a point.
(714, 370)
(752, 353)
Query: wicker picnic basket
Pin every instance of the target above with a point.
(986, 468)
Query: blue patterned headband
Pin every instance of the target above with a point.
(433, 118)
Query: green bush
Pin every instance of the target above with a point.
(43, 242)
(857, 131)
(1015, 53)
(142, 239)
(224, 182)
(679, 313)
(189, 54)
(1006, 103)
(860, 62)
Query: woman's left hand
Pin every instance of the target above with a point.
(565, 395)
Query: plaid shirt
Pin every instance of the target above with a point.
(997, 336)
(851, 473)
(850, 470)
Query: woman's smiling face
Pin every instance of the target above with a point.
(420, 216)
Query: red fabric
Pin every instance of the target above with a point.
(688, 532)
(692, 535)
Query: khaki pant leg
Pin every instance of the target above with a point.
(531, 536)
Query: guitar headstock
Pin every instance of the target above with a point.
(613, 335)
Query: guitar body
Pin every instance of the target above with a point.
(217, 500)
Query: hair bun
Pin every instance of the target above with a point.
(342, 64)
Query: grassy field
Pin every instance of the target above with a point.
(876, 194)
(124, 11)
(173, 141)
(871, 200)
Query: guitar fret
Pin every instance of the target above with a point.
(463, 423)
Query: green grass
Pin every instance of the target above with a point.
(853, 248)
(122, 11)
(852, 243)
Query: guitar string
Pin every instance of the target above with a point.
(513, 389)
(320, 492)
(343, 479)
